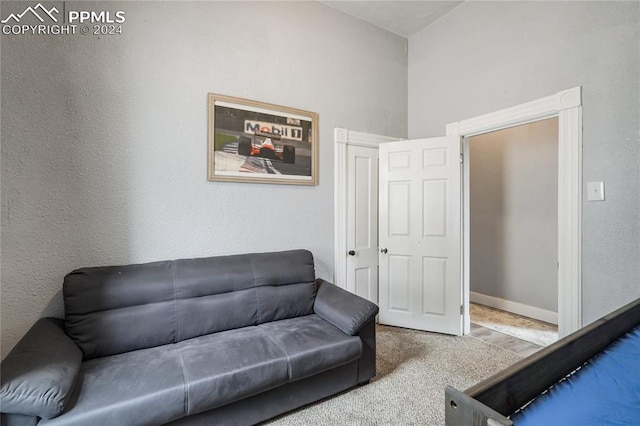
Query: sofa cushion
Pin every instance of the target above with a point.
(143, 387)
(116, 309)
(285, 285)
(230, 365)
(312, 345)
(158, 385)
(242, 290)
(213, 294)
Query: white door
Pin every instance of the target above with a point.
(362, 222)
(420, 246)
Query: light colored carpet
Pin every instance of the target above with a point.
(413, 369)
(531, 330)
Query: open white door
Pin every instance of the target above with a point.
(420, 246)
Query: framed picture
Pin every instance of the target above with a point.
(252, 141)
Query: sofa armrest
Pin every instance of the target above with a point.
(38, 375)
(344, 310)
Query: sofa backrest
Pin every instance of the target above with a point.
(116, 309)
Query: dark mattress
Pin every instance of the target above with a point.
(605, 391)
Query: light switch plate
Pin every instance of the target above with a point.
(595, 191)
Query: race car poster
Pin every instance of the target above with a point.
(252, 141)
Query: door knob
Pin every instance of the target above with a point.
(383, 251)
(352, 253)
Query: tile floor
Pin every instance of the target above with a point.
(524, 328)
(508, 321)
(513, 344)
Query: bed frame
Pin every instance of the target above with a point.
(491, 401)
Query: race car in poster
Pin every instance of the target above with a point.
(263, 145)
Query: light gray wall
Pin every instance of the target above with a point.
(486, 56)
(513, 177)
(104, 139)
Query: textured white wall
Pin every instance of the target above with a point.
(486, 56)
(514, 214)
(104, 139)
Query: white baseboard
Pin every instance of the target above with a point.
(514, 307)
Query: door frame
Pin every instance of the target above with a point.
(567, 106)
(343, 138)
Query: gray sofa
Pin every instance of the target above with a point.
(220, 340)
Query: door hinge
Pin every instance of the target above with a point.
(461, 158)
(461, 309)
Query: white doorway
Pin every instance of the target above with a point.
(566, 105)
(514, 219)
(514, 230)
(356, 211)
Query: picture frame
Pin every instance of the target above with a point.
(258, 142)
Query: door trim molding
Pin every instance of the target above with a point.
(567, 106)
(342, 139)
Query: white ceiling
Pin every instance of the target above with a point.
(402, 17)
